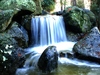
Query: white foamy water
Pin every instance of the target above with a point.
(47, 31)
(61, 46)
(77, 62)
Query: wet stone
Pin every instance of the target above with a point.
(67, 54)
(88, 48)
(48, 61)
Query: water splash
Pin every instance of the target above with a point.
(48, 30)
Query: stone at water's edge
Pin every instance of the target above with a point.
(10, 60)
(12, 54)
(48, 61)
(89, 47)
(14, 37)
(78, 20)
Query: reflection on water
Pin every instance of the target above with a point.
(65, 70)
(66, 66)
(77, 70)
(72, 70)
(79, 67)
(49, 30)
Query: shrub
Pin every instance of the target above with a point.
(48, 5)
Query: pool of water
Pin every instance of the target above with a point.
(65, 67)
(66, 70)
(77, 70)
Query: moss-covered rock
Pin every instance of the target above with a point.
(78, 19)
(14, 9)
(13, 37)
(5, 18)
(18, 4)
(38, 7)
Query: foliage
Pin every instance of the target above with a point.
(95, 8)
(80, 3)
(48, 5)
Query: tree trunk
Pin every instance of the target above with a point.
(73, 2)
(61, 2)
(65, 4)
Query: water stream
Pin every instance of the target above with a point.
(49, 30)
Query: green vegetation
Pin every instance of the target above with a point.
(48, 5)
(80, 3)
(95, 8)
(78, 20)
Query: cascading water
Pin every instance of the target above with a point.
(49, 30)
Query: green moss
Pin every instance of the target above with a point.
(18, 4)
(78, 19)
(5, 18)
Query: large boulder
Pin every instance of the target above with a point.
(12, 54)
(88, 48)
(78, 20)
(31, 5)
(18, 5)
(11, 60)
(48, 61)
(15, 36)
(14, 10)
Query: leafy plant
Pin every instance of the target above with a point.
(48, 5)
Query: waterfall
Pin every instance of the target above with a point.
(48, 30)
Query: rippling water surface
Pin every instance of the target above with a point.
(50, 30)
